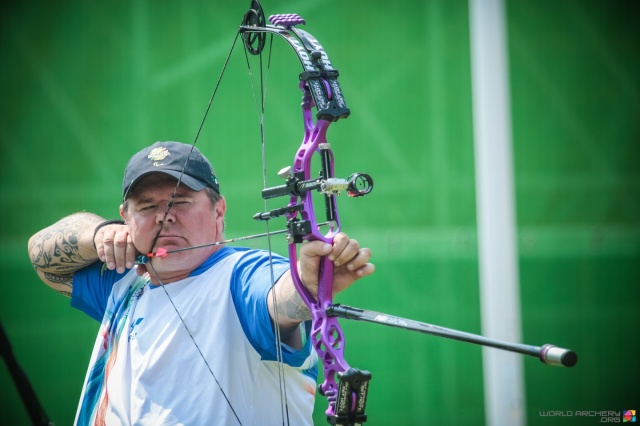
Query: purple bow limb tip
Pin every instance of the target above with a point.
(286, 20)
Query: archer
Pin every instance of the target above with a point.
(218, 301)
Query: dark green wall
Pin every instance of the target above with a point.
(86, 84)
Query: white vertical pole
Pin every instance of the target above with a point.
(498, 259)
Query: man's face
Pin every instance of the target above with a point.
(191, 221)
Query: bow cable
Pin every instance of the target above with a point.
(284, 406)
(264, 78)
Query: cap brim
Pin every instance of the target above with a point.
(194, 184)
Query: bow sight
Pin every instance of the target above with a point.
(356, 185)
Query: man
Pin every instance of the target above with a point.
(188, 338)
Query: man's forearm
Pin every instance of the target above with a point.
(291, 308)
(288, 310)
(63, 248)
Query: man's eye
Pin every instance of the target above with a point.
(147, 208)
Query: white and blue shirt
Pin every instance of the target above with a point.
(145, 368)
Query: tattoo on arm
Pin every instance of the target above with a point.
(56, 249)
(63, 283)
(292, 306)
(64, 248)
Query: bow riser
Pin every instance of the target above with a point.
(326, 335)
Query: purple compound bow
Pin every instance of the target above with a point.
(344, 387)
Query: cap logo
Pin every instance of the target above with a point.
(157, 155)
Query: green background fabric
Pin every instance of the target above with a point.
(86, 84)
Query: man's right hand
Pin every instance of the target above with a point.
(115, 248)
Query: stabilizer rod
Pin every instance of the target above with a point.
(549, 354)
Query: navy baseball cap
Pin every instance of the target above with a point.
(182, 161)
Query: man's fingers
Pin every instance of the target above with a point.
(120, 243)
(132, 253)
(344, 251)
(109, 249)
(360, 259)
(365, 270)
(129, 253)
(315, 249)
(347, 252)
(115, 247)
(98, 242)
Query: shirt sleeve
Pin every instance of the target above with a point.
(250, 285)
(91, 289)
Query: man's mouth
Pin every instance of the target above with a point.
(170, 240)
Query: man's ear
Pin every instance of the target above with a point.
(220, 209)
(122, 213)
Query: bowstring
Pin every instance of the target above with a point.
(195, 140)
(166, 213)
(260, 109)
(175, 308)
(278, 337)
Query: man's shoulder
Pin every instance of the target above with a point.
(235, 255)
(220, 257)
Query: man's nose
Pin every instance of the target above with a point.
(164, 213)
